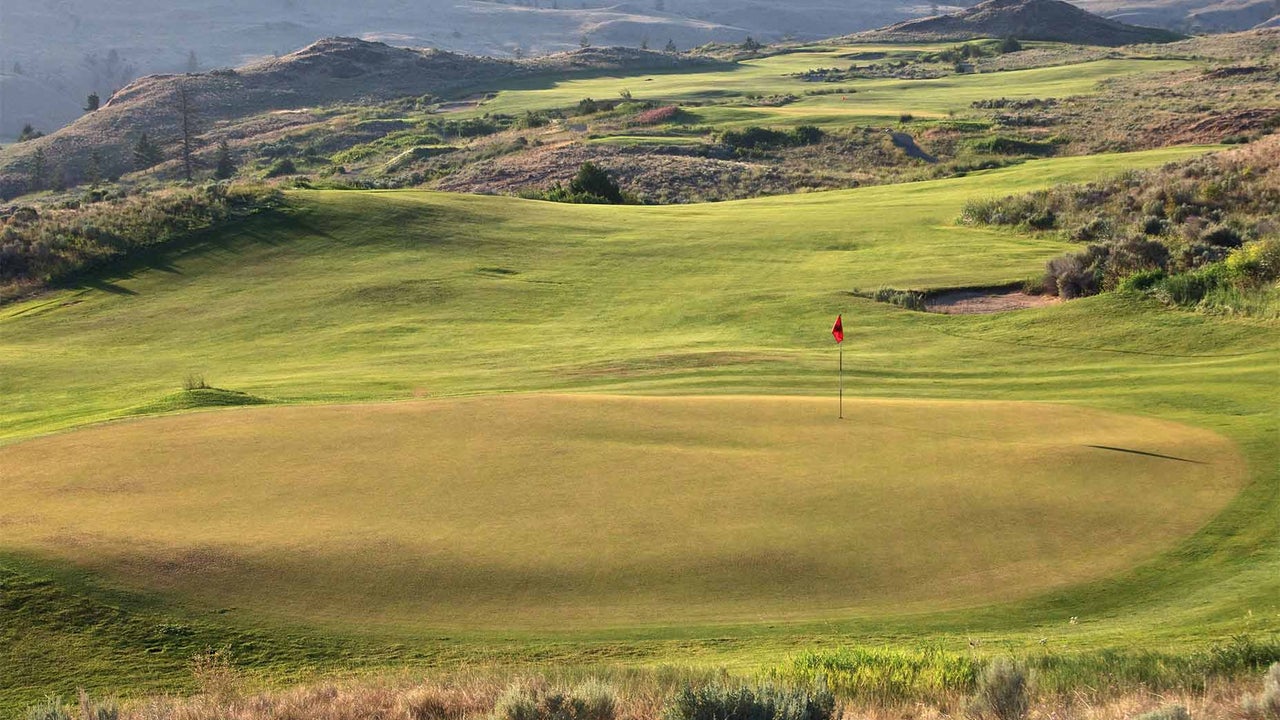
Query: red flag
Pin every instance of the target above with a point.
(838, 331)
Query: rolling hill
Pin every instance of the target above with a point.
(1051, 20)
(328, 72)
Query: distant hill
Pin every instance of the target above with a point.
(1052, 20)
(74, 47)
(1190, 16)
(335, 70)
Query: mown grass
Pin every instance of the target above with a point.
(876, 101)
(546, 512)
(349, 297)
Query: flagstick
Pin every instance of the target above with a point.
(841, 381)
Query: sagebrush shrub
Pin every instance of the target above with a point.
(1266, 704)
(1003, 692)
(590, 700)
(724, 702)
(51, 709)
(1172, 712)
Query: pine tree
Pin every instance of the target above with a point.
(226, 165)
(186, 108)
(92, 103)
(671, 47)
(145, 153)
(93, 173)
(39, 170)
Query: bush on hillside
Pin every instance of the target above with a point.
(52, 708)
(723, 702)
(1173, 712)
(281, 167)
(52, 245)
(657, 116)
(1002, 692)
(755, 138)
(1010, 45)
(1076, 274)
(590, 700)
(1266, 704)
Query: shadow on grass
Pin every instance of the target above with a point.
(1147, 454)
(255, 229)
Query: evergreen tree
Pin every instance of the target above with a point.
(671, 47)
(93, 173)
(39, 170)
(225, 167)
(29, 133)
(145, 153)
(185, 105)
(92, 102)
(594, 180)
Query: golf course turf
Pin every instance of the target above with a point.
(546, 511)
(609, 431)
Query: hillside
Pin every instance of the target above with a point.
(74, 47)
(1051, 20)
(1190, 16)
(325, 73)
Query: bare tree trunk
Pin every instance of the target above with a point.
(187, 116)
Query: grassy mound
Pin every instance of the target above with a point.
(196, 399)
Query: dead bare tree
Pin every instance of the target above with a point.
(188, 119)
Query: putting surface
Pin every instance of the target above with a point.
(581, 511)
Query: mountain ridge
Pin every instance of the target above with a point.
(328, 71)
(1048, 20)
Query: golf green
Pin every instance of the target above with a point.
(578, 511)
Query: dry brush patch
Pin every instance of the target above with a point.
(647, 694)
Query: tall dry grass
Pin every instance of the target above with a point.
(618, 694)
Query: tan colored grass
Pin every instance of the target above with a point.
(640, 696)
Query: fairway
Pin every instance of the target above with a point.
(560, 512)
(866, 100)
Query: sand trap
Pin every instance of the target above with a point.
(977, 302)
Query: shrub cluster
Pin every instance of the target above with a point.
(1188, 232)
(754, 139)
(727, 702)
(590, 700)
(592, 185)
(657, 116)
(909, 299)
(39, 247)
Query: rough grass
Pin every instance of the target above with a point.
(633, 695)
